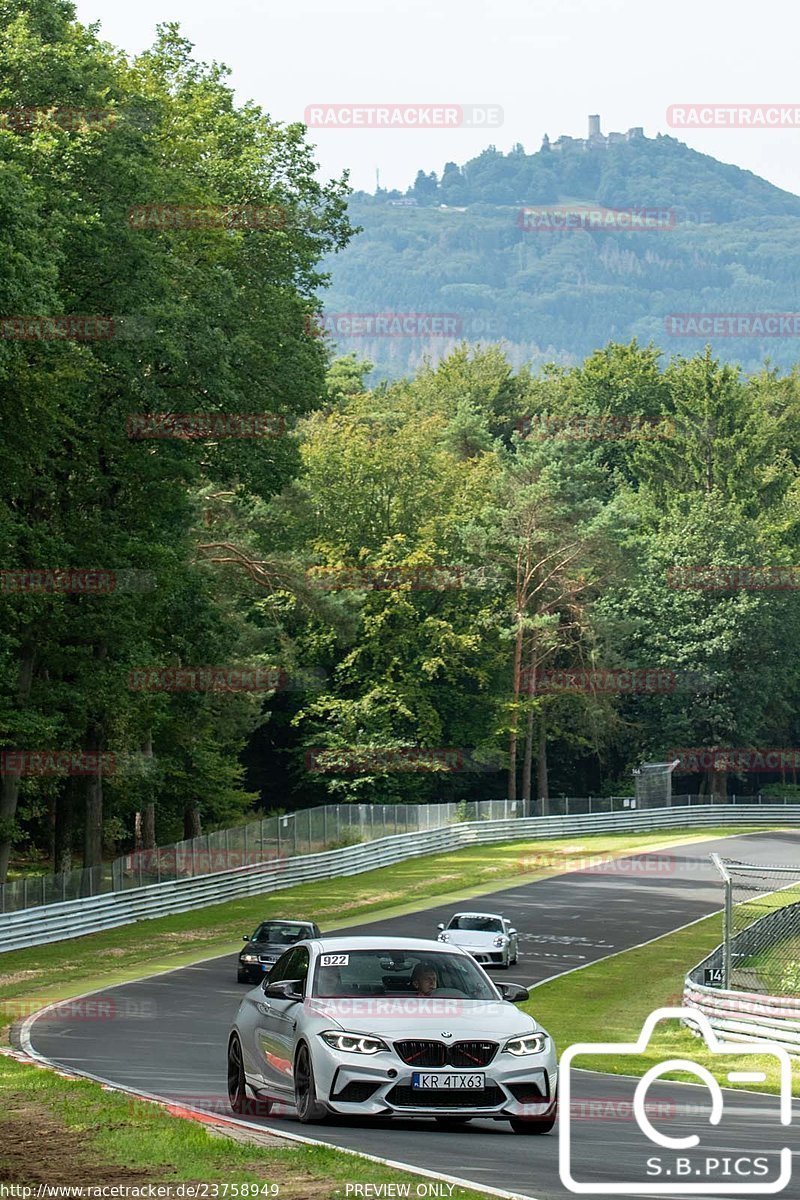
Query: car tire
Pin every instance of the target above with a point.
(237, 1086)
(241, 977)
(535, 1125)
(309, 1109)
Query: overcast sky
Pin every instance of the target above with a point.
(546, 63)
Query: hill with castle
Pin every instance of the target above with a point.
(453, 243)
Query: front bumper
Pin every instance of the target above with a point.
(487, 956)
(382, 1086)
(255, 972)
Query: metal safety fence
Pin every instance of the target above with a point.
(307, 831)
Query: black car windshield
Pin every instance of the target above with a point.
(478, 924)
(280, 933)
(400, 973)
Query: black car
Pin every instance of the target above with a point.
(268, 943)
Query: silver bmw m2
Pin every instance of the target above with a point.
(371, 1026)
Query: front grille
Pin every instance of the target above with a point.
(472, 1054)
(403, 1096)
(422, 1054)
(437, 1054)
(356, 1091)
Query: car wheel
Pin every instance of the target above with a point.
(309, 1109)
(451, 1122)
(237, 1088)
(515, 958)
(534, 1125)
(241, 977)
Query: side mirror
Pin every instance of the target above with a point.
(440, 925)
(245, 937)
(286, 989)
(512, 933)
(513, 993)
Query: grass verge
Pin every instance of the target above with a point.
(58, 1131)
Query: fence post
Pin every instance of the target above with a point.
(324, 824)
(727, 921)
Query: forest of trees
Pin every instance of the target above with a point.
(731, 246)
(403, 561)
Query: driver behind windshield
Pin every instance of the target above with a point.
(424, 979)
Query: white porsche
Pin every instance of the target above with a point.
(488, 937)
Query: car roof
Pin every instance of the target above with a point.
(333, 944)
(283, 921)
(497, 916)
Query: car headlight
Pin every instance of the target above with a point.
(444, 937)
(500, 940)
(531, 1043)
(249, 958)
(352, 1043)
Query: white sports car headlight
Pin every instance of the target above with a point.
(352, 1043)
(444, 937)
(500, 940)
(531, 1043)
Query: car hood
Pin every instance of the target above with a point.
(412, 1017)
(264, 948)
(470, 937)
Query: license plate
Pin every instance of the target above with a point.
(267, 966)
(466, 1081)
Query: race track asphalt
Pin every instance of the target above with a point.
(168, 1034)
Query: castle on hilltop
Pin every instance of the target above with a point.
(595, 138)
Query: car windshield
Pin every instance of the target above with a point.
(280, 933)
(477, 923)
(400, 973)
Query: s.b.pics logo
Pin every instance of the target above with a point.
(703, 1139)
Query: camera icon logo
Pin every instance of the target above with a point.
(682, 1165)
